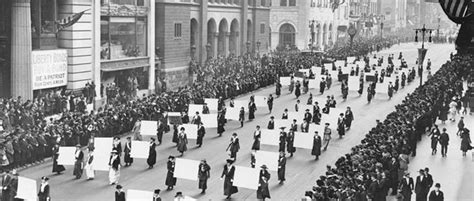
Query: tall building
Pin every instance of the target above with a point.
(395, 14)
(291, 23)
(198, 29)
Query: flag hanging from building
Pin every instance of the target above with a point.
(457, 10)
(69, 20)
(336, 3)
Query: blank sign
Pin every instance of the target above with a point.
(246, 177)
(186, 169)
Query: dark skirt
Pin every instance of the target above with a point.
(78, 169)
(203, 184)
(151, 158)
(127, 158)
(170, 180)
(256, 145)
(57, 168)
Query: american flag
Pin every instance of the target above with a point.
(457, 10)
(69, 20)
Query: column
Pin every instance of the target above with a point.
(21, 76)
(226, 43)
(96, 71)
(237, 43)
(151, 47)
(244, 28)
(202, 32)
(215, 43)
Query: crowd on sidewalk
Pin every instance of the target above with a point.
(379, 164)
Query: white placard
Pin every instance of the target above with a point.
(140, 149)
(314, 83)
(246, 177)
(26, 189)
(270, 137)
(232, 113)
(67, 155)
(102, 148)
(304, 71)
(350, 59)
(282, 123)
(49, 68)
(186, 169)
(299, 116)
(304, 140)
(361, 64)
(193, 108)
(340, 63)
(212, 104)
(270, 159)
(148, 128)
(328, 66)
(299, 79)
(138, 195)
(209, 120)
(241, 103)
(174, 114)
(261, 101)
(382, 87)
(353, 83)
(190, 130)
(316, 69)
(285, 81)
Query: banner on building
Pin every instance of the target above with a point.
(48, 68)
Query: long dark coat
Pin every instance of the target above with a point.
(200, 135)
(281, 168)
(203, 175)
(316, 151)
(263, 191)
(151, 160)
(290, 138)
(170, 179)
(182, 142)
(228, 173)
(256, 140)
(127, 158)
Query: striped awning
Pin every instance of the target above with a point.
(457, 10)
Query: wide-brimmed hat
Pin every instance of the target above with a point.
(230, 161)
(264, 167)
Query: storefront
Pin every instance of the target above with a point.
(124, 45)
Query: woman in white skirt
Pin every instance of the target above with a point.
(452, 109)
(89, 168)
(114, 171)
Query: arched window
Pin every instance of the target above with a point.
(287, 35)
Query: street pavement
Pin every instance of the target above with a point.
(301, 171)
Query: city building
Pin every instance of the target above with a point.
(198, 29)
(395, 14)
(291, 23)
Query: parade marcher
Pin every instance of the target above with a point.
(89, 167)
(322, 86)
(127, 150)
(327, 136)
(444, 142)
(114, 168)
(78, 165)
(242, 116)
(182, 141)
(406, 186)
(285, 114)
(271, 123)
(290, 139)
(252, 109)
(348, 117)
(270, 103)
(361, 86)
(234, 146)
(228, 176)
(156, 195)
(56, 167)
(200, 134)
(390, 90)
(465, 141)
(253, 160)
(281, 167)
(116, 145)
(316, 150)
(292, 84)
(257, 134)
(328, 81)
(436, 194)
(460, 126)
(119, 193)
(196, 119)
(421, 186)
(151, 160)
(9, 185)
(304, 126)
(170, 181)
(278, 88)
(369, 93)
(308, 116)
(263, 191)
(159, 131)
(221, 121)
(43, 192)
(341, 125)
(316, 113)
(297, 89)
(435, 134)
(282, 140)
(204, 173)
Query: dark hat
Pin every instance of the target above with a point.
(170, 157)
(307, 110)
(234, 134)
(264, 167)
(230, 161)
(118, 187)
(294, 120)
(178, 194)
(438, 185)
(78, 145)
(421, 170)
(282, 127)
(45, 178)
(272, 117)
(327, 123)
(157, 191)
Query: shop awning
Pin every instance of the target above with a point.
(124, 64)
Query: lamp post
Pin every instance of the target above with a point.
(208, 50)
(193, 51)
(422, 51)
(248, 47)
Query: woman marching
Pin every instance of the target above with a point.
(114, 170)
(256, 139)
(182, 141)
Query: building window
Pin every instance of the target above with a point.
(177, 30)
(263, 3)
(287, 36)
(292, 2)
(262, 28)
(122, 37)
(283, 2)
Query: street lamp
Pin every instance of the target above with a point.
(248, 47)
(193, 51)
(208, 50)
(422, 51)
